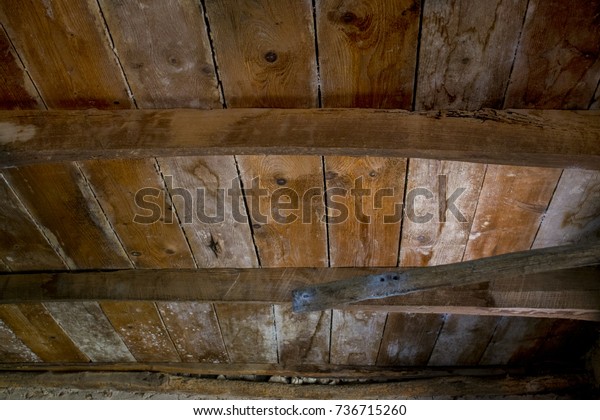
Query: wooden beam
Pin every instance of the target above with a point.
(405, 281)
(519, 137)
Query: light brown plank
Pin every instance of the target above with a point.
(408, 339)
(367, 52)
(195, 331)
(265, 51)
(90, 330)
(467, 51)
(23, 246)
(285, 199)
(141, 328)
(248, 332)
(12, 349)
(574, 212)
(207, 194)
(302, 338)
(67, 41)
(58, 198)
(462, 340)
(516, 137)
(510, 208)
(557, 63)
(132, 194)
(364, 200)
(356, 336)
(36, 328)
(165, 52)
(441, 201)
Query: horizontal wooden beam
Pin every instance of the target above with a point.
(520, 137)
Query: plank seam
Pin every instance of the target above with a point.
(118, 334)
(326, 212)
(214, 307)
(65, 332)
(275, 333)
(475, 212)
(594, 95)
(239, 174)
(512, 66)
(314, 15)
(204, 13)
(398, 262)
(162, 321)
(489, 341)
(546, 211)
(417, 62)
(387, 315)
(439, 333)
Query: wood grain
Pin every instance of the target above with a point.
(510, 209)
(207, 194)
(151, 240)
(142, 330)
(285, 199)
(467, 51)
(557, 62)
(369, 191)
(448, 192)
(12, 350)
(58, 197)
(574, 212)
(265, 51)
(356, 337)
(248, 332)
(195, 331)
(367, 52)
(67, 52)
(408, 339)
(90, 330)
(36, 328)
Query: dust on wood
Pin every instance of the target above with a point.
(356, 337)
(12, 349)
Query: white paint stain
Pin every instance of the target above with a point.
(10, 133)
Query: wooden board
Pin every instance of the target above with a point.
(36, 328)
(569, 340)
(557, 63)
(69, 42)
(165, 52)
(195, 331)
(367, 52)
(141, 328)
(302, 338)
(248, 332)
(58, 197)
(467, 51)
(133, 197)
(356, 337)
(12, 349)
(265, 51)
(23, 246)
(408, 339)
(90, 330)
(510, 208)
(364, 205)
(574, 212)
(441, 201)
(207, 194)
(285, 200)
(462, 340)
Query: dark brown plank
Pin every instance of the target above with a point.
(12, 349)
(356, 337)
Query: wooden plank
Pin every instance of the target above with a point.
(141, 328)
(266, 52)
(36, 328)
(133, 197)
(248, 332)
(53, 192)
(408, 339)
(23, 246)
(364, 205)
(527, 138)
(462, 340)
(568, 340)
(510, 209)
(574, 212)
(356, 337)
(467, 51)
(557, 62)
(90, 330)
(12, 350)
(195, 331)
(207, 194)
(69, 42)
(165, 52)
(302, 338)
(285, 202)
(595, 103)
(448, 192)
(367, 52)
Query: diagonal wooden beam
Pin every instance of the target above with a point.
(520, 137)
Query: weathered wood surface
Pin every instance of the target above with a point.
(528, 138)
(357, 337)
(12, 349)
